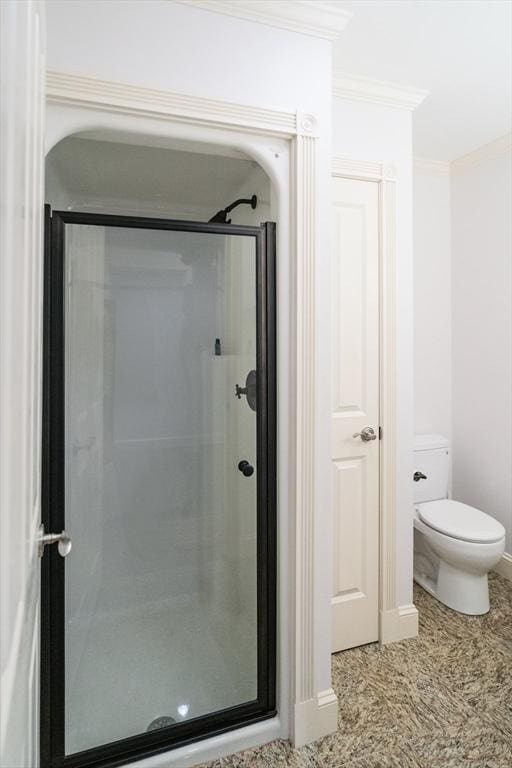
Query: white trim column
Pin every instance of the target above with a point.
(314, 712)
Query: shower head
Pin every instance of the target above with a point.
(221, 216)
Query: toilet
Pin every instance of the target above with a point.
(455, 545)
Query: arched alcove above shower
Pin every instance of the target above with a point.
(132, 175)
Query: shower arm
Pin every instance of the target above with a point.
(221, 216)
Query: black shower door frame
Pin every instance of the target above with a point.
(52, 720)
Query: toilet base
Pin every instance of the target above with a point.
(454, 571)
(464, 592)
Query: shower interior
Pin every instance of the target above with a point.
(164, 532)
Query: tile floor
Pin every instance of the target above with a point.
(442, 700)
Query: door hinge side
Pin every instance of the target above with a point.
(380, 433)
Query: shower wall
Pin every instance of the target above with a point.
(85, 458)
(160, 326)
(166, 316)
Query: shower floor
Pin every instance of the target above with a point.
(178, 658)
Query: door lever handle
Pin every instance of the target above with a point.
(62, 540)
(366, 434)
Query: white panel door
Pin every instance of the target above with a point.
(355, 406)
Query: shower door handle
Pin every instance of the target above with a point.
(62, 540)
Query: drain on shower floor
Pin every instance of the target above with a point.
(160, 722)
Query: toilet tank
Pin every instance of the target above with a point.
(432, 458)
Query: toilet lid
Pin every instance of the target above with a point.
(460, 521)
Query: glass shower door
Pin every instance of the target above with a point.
(161, 431)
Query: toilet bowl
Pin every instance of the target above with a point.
(451, 568)
(455, 545)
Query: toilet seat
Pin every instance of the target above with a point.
(460, 521)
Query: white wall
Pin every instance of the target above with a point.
(382, 134)
(172, 47)
(481, 197)
(432, 302)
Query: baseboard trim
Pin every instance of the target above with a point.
(399, 624)
(504, 567)
(315, 718)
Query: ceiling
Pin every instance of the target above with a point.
(460, 50)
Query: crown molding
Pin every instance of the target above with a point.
(487, 152)
(309, 17)
(431, 167)
(358, 88)
(494, 149)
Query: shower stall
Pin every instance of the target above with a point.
(159, 623)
